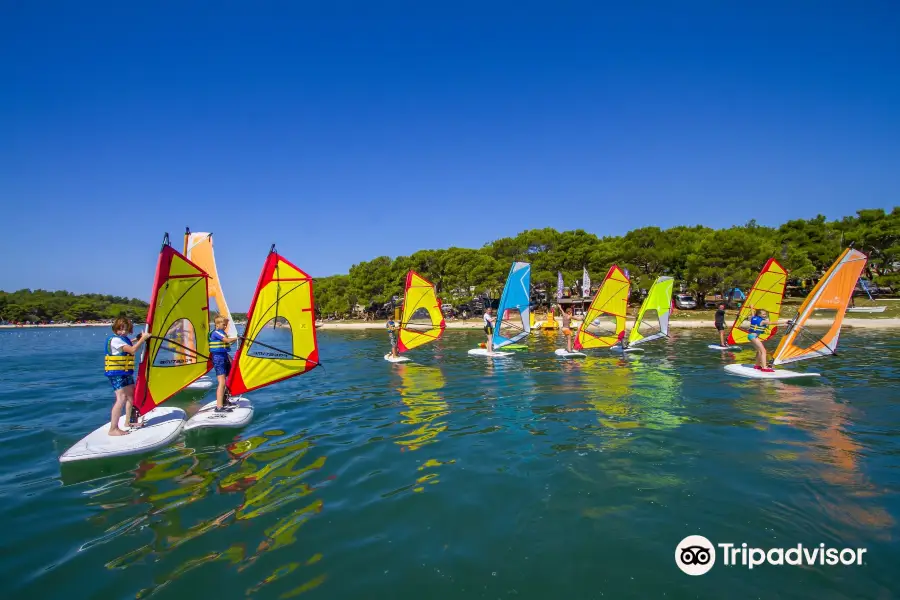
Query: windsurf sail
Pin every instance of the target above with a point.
(658, 303)
(178, 319)
(831, 293)
(766, 294)
(421, 319)
(279, 341)
(198, 248)
(512, 314)
(604, 323)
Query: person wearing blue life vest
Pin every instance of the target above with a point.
(118, 366)
(219, 343)
(759, 324)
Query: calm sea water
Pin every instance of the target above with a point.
(458, 477)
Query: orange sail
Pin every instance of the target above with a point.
(198, 247)
(280, 338)
(421, 320)
(831, 293)
(766, 294)
(611, 301)
(178, 352)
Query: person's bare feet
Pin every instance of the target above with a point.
(117, 431)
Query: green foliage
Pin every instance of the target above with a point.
(700, 259)
(41, 306)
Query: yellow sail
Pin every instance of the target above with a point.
(198, 248)
(831, 293)
(611, 301)
(178, 318)
(280, 338)
(659, 302)
(421, 320)
(766, 294)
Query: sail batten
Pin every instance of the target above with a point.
(516, 296)
(832, 292)
(419, 297)
(766, 294)
(284, 299)
(612, 301)
(178, 319)
(659, 299)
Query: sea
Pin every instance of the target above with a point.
(455, 476)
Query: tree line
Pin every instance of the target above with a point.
(42, 306)
(702, 260)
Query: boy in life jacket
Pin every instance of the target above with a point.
(219, 343)
(759, 324)
(118, 366)
(392, 328)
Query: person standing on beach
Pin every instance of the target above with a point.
(566, 317)
(118, 365)
(489, 329)
(219, 343)
(720, 323)
(392, 328)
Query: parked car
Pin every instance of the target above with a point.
(685, 302)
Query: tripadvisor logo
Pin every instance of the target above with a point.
(696, 555)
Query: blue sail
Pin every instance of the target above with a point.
(515, 301)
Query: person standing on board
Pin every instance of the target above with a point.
(219, 343)
(119, 368)
(391, 328)
(759, 324)
(489, 329)
(720, 323)
(566, 318)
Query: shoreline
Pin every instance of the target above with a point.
(870, 323)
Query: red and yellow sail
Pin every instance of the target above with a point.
(198, 247)
(766, 294)
(611, 300)
(832, 292)
(421, 320)
(280, 337)
(178, 352)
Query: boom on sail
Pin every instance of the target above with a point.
(831, 293)
(513, 320)
(766, 294)
(611, 301)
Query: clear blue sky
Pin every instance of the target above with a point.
(367, 128)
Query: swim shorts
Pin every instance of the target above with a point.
(120, 381)
(567, 331)
(488, 329)
(720, 326)
(752, 336)
(222, 363)
(393, 339)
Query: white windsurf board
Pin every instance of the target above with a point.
(566, 354)
(752, 373)
(204, 383)
(399, 359)
(484, 352)
(620, 349)
(207, 416)
(161, 426)
(729, 348)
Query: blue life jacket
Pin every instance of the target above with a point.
(756, 325)
(117, 365)
(216, 344)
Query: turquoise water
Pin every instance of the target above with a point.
(458, 477)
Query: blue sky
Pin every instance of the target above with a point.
(366, 129)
